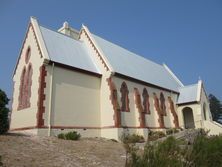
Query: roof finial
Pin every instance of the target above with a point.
(199, 78)
(65, 24)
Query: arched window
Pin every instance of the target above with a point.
(27, 55)
(124, 97)
(204, 111)
(28, 86)
(146, 103)
(162, 104)
(21, 89)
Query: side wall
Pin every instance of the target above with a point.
(131, 119)
(198, 111)
(26, 118)
(75, 101)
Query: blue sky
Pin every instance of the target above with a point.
(184, 34)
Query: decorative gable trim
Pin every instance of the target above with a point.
(95, 46)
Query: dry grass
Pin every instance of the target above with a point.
(19, 150)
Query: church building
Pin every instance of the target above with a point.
(74, 80)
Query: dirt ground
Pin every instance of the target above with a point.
(22, 150)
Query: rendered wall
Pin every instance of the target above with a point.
(131, 119)
(26, 117)
(75, 99)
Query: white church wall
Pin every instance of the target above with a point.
(204, 100)
(75, 100)
(26, 117)
(131, 119)
(106, 107)
(196, 109)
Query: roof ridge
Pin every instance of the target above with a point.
(58, 32)
(188, 86)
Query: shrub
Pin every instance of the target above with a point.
(171, 131)
(61, 136)
(154, 135)
(1, 164)
(134, 138)
(69, 136)
(4, 121)
(164, 154)
(205, 151)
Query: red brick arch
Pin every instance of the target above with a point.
(160, 114)
(140, 108)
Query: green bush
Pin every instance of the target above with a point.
(61, 136)
(205, 152)
(4, 121)
(163, 154)
(69, 136)
(154, 135)
(171, 131)
(134, 138)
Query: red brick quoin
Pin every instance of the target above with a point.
(41, 98)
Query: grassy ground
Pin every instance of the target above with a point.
(19, 150)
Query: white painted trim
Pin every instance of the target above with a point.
(199, 88)
(98, 48)
(173, 75)
(39, 37)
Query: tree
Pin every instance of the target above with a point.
(4, 121)
(215, 107)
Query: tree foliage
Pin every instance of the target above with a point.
(215, 107)
(4, 122)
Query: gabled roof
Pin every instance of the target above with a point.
(188, 94)
(132, 65)
(68, 51)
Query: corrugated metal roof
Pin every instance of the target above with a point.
(132, 65)
(188, 94)
(65, 50)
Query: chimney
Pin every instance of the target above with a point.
(69, 31)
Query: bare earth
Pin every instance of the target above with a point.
(19, 150)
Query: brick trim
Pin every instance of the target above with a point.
(83, 127)
(114, 100)
(95, 48)
(160, 114)
(42, 96)
(140, 108)
(172, 109)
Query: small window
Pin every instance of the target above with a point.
(146, 103)
(162, 104)
(27, 55)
